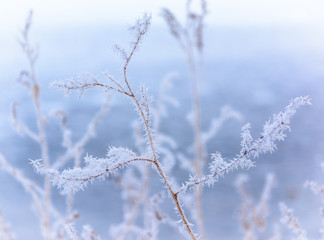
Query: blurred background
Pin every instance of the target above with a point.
(258, 55)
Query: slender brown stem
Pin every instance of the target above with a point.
(197, 134)
(155, 158)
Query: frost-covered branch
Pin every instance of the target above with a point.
(292, 222)
(273, 131)
(85, 81)
(75, 181)
(139, 29)
(77, 178)
(190, 38)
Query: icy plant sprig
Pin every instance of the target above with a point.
(136, 187)
(77, 178)
(273, 131)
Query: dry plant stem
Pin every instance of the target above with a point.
(32, 56)
(156, 163)
(149, 134)
(198, 143)
(197, 125)
(190, 40)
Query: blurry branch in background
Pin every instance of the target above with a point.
(190, 38)
(31, 187)
(5, 233)
(51, 221)
(253, 215)
(37, 193)
(29, 80)
(292, 222)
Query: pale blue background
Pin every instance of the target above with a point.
(258, 56)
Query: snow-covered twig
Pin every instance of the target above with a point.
(273, 131)
(77, 178)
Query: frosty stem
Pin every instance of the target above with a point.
(149, 135)
(197, 137)
(191, 42)
(33, 87)
(196, 75)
